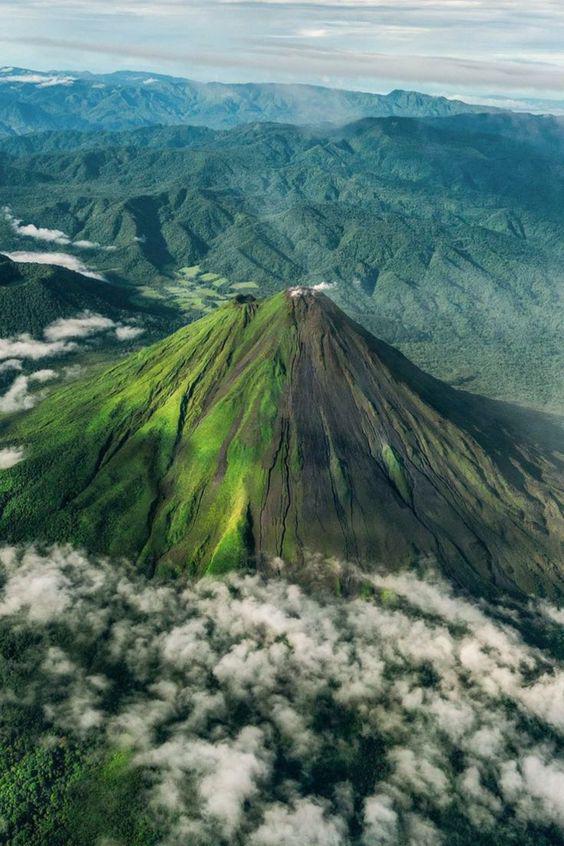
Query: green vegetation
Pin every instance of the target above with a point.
(34, 295)
(123, 100)
(396, 471)
(56, 790)
(443, 237)
(280, 428)
(195, 292)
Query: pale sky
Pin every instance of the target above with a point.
(471, 48)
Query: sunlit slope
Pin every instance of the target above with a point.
(274, 429)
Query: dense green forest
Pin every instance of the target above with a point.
(443, 237)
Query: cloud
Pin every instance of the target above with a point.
(303, 822)
(19, 396)
(86, 245)
(24, 346)
(11, 364)
(82, 326)
(10, 456)
(41, 233)
(307, 32)
(301, 290)
(60, 338)
(128, 333)
(56, 260)
(263, 714)
(41, 80)
(475, 47)
(87, 324)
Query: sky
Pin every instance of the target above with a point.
(471, 48)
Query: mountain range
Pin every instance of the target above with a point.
(444, 236)
(282, 429)
(34, 101)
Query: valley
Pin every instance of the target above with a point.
(443, 237)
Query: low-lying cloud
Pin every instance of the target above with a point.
(10, 456)
(77, 327)
(43, 233)
(262, 714)
(55, 259)
(22, 394)
(60, 337)
(25, 347)
(39, 79)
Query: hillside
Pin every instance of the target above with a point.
(34, 295)
(281, 428)
(126, 100)
(443, 237)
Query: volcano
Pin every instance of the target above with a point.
(278, 429)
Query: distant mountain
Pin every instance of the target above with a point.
(443, 237)
(281, 428)
(32, 101)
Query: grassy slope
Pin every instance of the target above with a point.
(275, 428)
(141, 409)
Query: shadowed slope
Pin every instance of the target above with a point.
(275, 428)
(34, 295)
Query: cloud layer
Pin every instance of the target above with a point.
(265, 715)
(437, 45)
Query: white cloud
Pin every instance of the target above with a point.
(24, 346)
(82, 326)
(54, 236)
(59, 338)
(86, 245)
(302, 290)
(381, 821)
(128, 333)
(54, 259)
(43, 597)
(240, 690)
(40, 233)
(19, 396)
(11, 364)
(311, 32)
(41, 80)
(305, 822)
(10, 456)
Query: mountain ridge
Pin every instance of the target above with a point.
(71, 100)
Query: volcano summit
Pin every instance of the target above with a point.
(275, 429)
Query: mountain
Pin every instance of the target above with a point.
(34, 295)
(32, 101)
(282, 428)
(444, 237)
